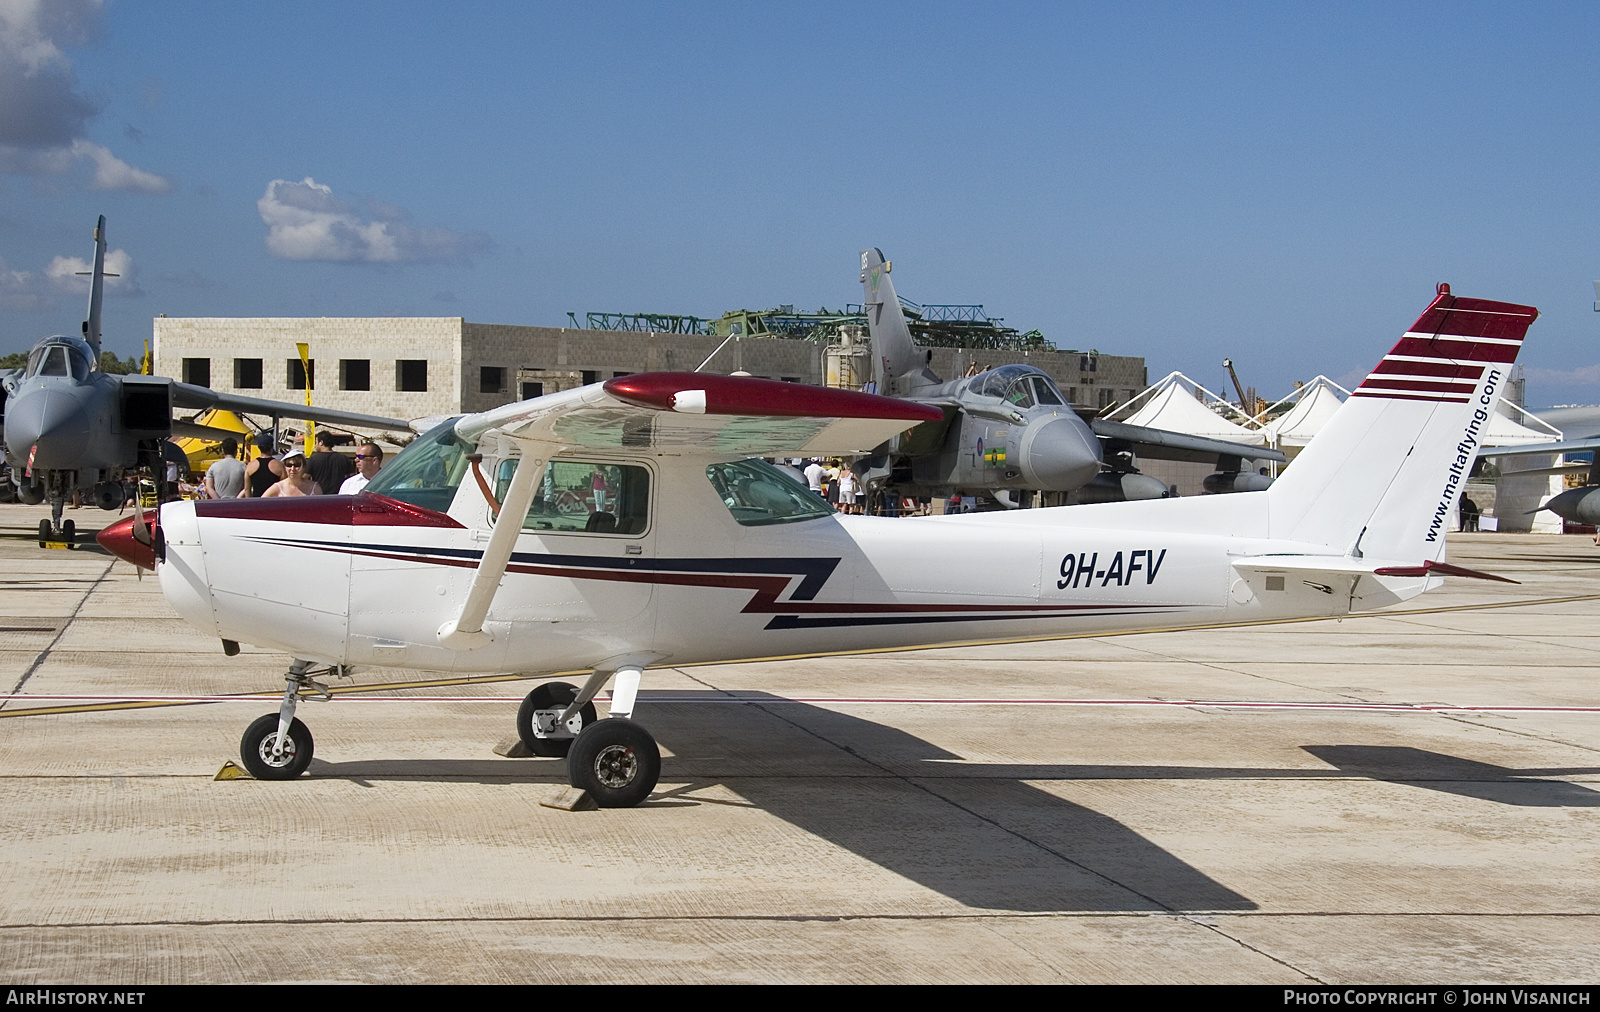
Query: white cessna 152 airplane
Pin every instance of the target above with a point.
(628, 524)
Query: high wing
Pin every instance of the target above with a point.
(1164, 444)
(686, 413)
(187, 395)
(698, 412)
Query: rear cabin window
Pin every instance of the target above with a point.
(426, 473)
(584, 497)
(758, 494)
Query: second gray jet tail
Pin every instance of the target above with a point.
(899, 366)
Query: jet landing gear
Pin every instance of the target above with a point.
(615, 760)
(276, 746)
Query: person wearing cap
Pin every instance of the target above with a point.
(263, 472)
(297, 482)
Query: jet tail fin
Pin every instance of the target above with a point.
(91, 325)
(1384, 475)
(898, 364)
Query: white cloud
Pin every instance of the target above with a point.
(43, 118)
(305, 221)
(71, 274)
(23, 290)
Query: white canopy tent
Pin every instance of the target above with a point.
(1171, 404)
(1314, 404)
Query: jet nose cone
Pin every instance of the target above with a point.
(1578, 505)
(49, 425)
(119, 540)
(1059, 454)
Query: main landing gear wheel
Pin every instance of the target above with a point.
(536, 719)
(616, 761)
(255, 748)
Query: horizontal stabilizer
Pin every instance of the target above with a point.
(1312, 566)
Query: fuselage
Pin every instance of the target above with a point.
(368, 580)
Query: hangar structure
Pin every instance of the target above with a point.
(422, 366)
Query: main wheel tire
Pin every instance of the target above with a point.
(549, 696)
(255, 749)
(616, 761)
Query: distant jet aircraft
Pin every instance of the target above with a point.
(1011, 429)
(67, 424)
(630, 524)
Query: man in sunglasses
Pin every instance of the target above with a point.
(368, 460)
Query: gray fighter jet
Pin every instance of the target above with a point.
(1010, 429)
(69, 425)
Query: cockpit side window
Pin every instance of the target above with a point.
(79, 363)
(1046, 391)
(584, 497)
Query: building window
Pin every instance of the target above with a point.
(619, 375)
(197, 371)
(492, 379)
(247, 374)
(411, 375)
(791, 379)
(297, 375)
(591, 376)
(355, 374)
(532, 390)
(1087, 363)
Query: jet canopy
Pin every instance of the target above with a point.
(61, 356)
(1020, 385)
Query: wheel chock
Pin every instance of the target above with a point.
(232, 771)
(569, 799)
(513, 748)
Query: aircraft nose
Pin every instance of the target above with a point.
(1059, 454)
(1579, 505)
(118, 539)
(50, 420)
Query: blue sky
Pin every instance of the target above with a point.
(1282, 184)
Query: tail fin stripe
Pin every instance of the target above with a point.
(1400, 365)
(1471, 318)
(1385, 383)
(1458, 349)
(1410, 397)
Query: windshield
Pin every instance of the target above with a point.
(59, 360)
(1013, 383)
(427, 472)
(757, 494)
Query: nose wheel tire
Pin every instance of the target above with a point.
(616, 761)
(45, 533)
(255, 749)
(539, 711)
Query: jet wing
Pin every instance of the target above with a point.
(1587, 445)
(714, 415)
(187, 395)
(1163, 444)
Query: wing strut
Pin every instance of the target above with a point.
(465, 631)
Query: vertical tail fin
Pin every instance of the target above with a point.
(91, 325)
(898, 365)
(1383, 476)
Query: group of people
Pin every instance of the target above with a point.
(835, 482)
(269, 476)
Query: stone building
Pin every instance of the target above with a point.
(417, 367)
